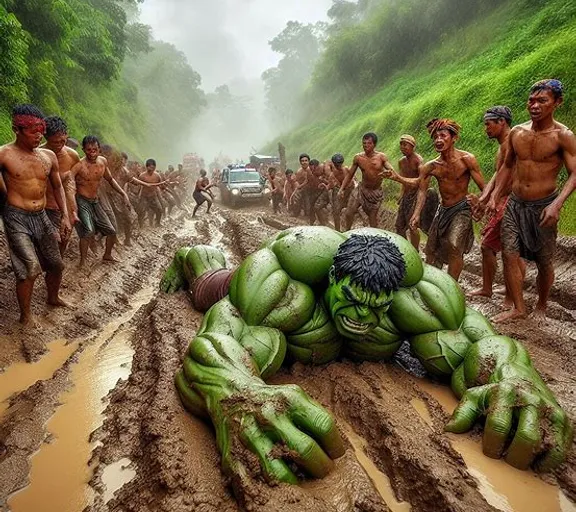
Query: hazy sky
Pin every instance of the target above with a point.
(227, 39)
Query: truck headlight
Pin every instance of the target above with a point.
(235, 192)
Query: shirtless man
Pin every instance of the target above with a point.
(289, 187)
(497, 123)
(276, 189)
(202, 193)
(451, 234)
(88, 174)
(319, 186)
(300, 200)
(56, 138)
(32, 238)
(535, 153)
(374, 166)
(338, 172)
(150, 202)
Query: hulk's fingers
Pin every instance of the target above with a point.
(308, 454)
(498, 422)
(468, 411)
(561, 432)
(317, 422)
(527, 440)
(260, 444)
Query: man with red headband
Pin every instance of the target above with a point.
(451, 234)
(535, 153)
(32, 238)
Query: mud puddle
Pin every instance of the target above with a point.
(60, 469)
(20, 376)
(115, 476)
(504, 487)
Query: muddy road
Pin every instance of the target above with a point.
(89, 417)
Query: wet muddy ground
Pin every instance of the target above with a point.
(89, 418)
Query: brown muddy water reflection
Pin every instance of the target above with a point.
(504, 487)
(60, 471)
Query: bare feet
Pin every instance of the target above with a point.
(508, 302)
(481, 292)
(500, 290)
(506, 316)
(29, 321)
(539, 313)
(110, 259)
(58, 302)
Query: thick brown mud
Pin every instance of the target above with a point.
(89, 418)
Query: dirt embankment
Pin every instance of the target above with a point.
(398, 456)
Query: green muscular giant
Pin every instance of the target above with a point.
(312, 294)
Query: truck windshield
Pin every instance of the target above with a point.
(244, 176)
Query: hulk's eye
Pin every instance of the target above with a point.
(349, 294)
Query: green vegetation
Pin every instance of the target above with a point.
(491, 60)
(83, 60)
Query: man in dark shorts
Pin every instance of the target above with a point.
(300, 200)
(202, 193)
(289, 186)
(535, 153)
(32, 238)
(150, 202)
(497, 123)
(338, 172)
(276, 189)
(374, 166)
(56, 138)
(318, 192)
(451, 234)
(88, 174)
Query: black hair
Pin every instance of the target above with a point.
(124, 155)
(372, 262)
(337, 158)
(371, 135)
(304, 155)
(90, 139)
(150, 161)
(289, 171)
(55, 125)
(552, 85)
(314, 162)
(271, 169)
(27, 109)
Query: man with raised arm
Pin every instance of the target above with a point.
(497, 124)
(32, 238)
(311, 294)
(451, 234)
(56, 138)
(374, 166)
(88, 174)
(535, 152)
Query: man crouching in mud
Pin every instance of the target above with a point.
(311, 294)
(535, 153)
(451, 234)
(32, 238)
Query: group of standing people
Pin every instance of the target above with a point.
(47, 189)
(521, 203)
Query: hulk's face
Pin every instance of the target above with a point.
(355, 311)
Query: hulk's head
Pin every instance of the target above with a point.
(366, 271)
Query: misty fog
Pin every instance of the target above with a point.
(226, 41)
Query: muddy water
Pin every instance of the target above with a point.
(20, 376)
(60, 471)
(504, 487)
(115, 476)
(379, 479)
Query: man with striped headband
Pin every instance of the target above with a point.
(451, 234)
(32, 238)
(535, 153)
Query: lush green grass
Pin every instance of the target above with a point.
(493, 61)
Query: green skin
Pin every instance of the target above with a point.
(284, 303)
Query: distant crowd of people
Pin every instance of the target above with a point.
(521, 203)
(47, 189)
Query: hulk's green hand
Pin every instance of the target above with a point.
(523, 420)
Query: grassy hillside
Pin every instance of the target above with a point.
(492, 61)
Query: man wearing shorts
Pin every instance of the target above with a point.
(338, 172)
(202, 192)
(32, 238)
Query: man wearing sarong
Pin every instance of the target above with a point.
(300, 197)
(88, 174)
(374, 166)
(497, 123)
(32, 238)
(338, 172)
(451, 234)
(151, 204)
(319, 195)
(535, 153)
(56, 138)
(276, 189)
